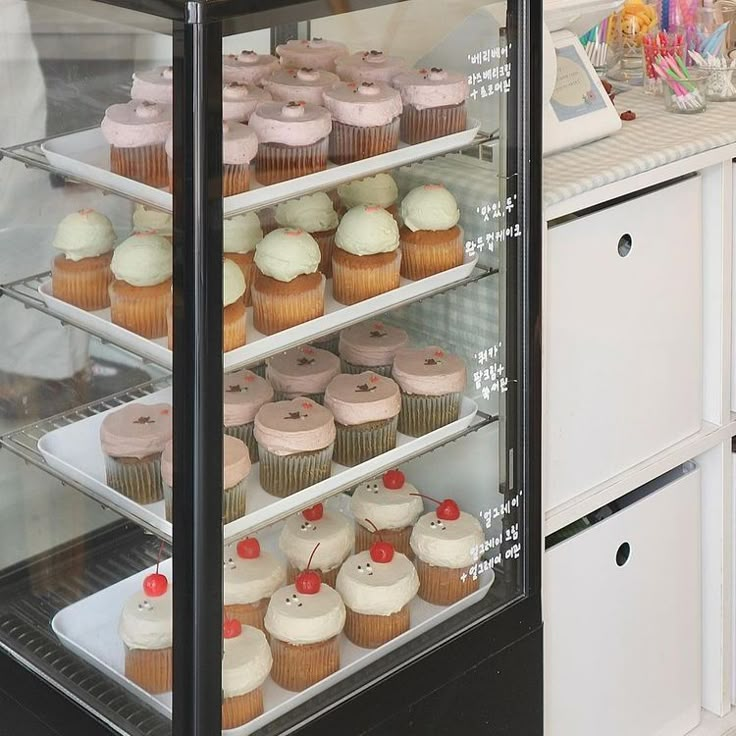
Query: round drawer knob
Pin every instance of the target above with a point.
(623, 553)
(624, 245)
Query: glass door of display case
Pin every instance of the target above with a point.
(269, 386)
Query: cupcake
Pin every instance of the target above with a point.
(327, 342)
(434, 104)
(236, 466)
(315, 214)
(377, 191)
(445, 544)
(393, 507)
(292, 140)
(246, 662)
(140, 293)
(248, 67)
(366, 408)
(304, 84)
(244, 394)
(432, 384)
(314, 526)
(132, 440)
(287, 289)
(369, 66)
(146, 628)
(240, 99)
(80, 274)
(150, 220)
(295, 442)
(251, 577)
(370, 346)
(365, 120)
(303, 371)
(431, 241)
(137, 133)
(367, 259)
(233, 316)
(377, 586)
(314, 53)
(154, 85)
(240, 235)
(305, 621)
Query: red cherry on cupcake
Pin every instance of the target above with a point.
(155, 584)
(380, 551)
(308, 582)
(394, 479)
(447, 510)
(249, 548)
(231, 628)
(314, 513)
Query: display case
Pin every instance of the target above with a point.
(270, 317)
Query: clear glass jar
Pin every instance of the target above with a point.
(689, 95)
(721, 84)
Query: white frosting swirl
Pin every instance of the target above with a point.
(286, 253)
(84, 234)
(241, 233)
(335, 534)
(148, 220)
(246, 662)
(443, 543)
(379, 190)
(312, 213)
(297, 618)
(366, 230)
(145, 622)
(233, 283)
(143, 260)
(429, 207)
(251, 580)
(386, 508)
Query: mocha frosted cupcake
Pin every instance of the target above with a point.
(303, 371)
(240, 99)
(150, 220)
(313, 53)
(434, 103)
(244, 394)
(305, 84)
(293, 140)
(375, 191)
(365, 120)
(132, 440)
(366, 408)
(315, 214)
(370, 346)
(295, 443)
(154, 85)
(240, 236)
(80, 274)
(137, 133)
(248, 67)
(369, 66)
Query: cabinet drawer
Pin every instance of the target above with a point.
(623, 322)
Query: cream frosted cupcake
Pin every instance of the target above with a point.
(315, 214)
(392, 505)
(240, 99)
(377, 586)
(314, 526)
(366, 260)
(293, 140)
(303, 371)
(250, 578)
(432, 382)
(365, 120)
(366, 408)
(248, 67)
(154, 85)
(445, 544)
(369, 66)
(80, 274)
(150, 220)
(376, 191)
(240, 236)
(370, 346)
(314, 53)
(141, 290)
(287, 289)
(246, 662)
(295, 443)
(305, 84)
(431, 241)
(434, 103)
(245, 393)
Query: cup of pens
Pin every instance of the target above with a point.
(685, 88)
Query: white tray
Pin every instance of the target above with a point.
(86, 155)
(75, 451)
(260, 346)
(90, 629)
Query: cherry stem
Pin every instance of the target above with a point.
(429, 498)
(375, 529)
(309, 562)
(158, 557)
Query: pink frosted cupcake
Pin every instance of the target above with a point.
(293, 140)
(369, 66)
(303, 371)
(370, 346)
(137, 132)
(154, 85)
(315, 53)
(434, 103)
(303, 84)
(365, 120)
(240, 99)
(366, 408)
(244, 394)
(248, 67)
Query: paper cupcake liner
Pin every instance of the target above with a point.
(150, 669)
(282, 475)
(421, 414)
(233, 502)
(326, 242)
(358, 443)
(355, 278)
(267, 216)
(137, 479)
(348, 367)
(370, 631)
(82, 283)
(259, 370)
(329, 577)
(245, 262)
(235, 179)
(249, 614)
(233, 326)
(353, 142)
(399, 538)
(146, 164)
(297, 666)
(433, 122)
(422, 259)
(140, 309)
(444, 585)
(330, 343)
(242, 708)
(244, 432)
(277, 162)
(273, 312)
(285, 396)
